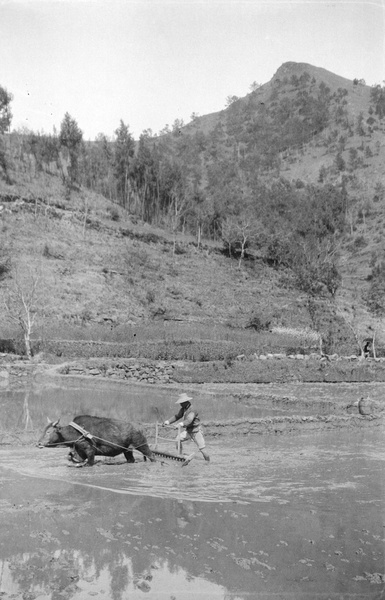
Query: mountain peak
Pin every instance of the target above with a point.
(288, 69)
(293, 68)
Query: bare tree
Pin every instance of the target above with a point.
(203, 210)
(352, 319)
(179, 206)
(247, 229)
(85, 197)
(228, 234)
(239, 232)
(22, 299)
(26, 416)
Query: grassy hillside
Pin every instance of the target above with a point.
(97, 266)
(103, 277)
(101, 270)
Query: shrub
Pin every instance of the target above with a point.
(7, 346)
(179, 249)
(114, 213)
(5, 267)
(339, 162)
(360, 242)
(150, 296)
(294, 350)
(258, 323)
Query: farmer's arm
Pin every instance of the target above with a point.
(176, 417)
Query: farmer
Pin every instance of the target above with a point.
(191, 422)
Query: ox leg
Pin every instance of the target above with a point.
(76, 455)
(89, 452)
(145, 450)
(91, 459)
(128, 454)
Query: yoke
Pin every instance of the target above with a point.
(83, 431)
(86, 434)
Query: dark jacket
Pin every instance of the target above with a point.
(190, 419)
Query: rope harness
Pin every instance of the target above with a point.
(84, 434)
(87, 435)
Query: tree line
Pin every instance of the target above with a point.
(223, 184)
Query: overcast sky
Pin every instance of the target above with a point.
(149, 62)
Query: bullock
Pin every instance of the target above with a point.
(89, 436)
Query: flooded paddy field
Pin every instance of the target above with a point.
(271, 516)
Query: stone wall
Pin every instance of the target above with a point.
(131, 369)
(259, 369)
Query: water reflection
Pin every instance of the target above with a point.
(112, 546)
(24, 411)
(73, 577)
(270, 515)
(146, 404)
(284, 518)
(26, 418)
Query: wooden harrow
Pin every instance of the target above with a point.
(180, 457)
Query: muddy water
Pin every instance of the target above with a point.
(27, 409)
(270, 517)
(146, 404)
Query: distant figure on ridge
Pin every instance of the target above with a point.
(367, 348)
(367, 406)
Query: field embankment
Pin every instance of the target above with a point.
(261, 369)
(276, 400)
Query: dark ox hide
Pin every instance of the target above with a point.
(110, 438)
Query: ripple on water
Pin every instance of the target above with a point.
(261, 470)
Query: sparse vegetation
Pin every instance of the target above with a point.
(140, 230)
(23, 302)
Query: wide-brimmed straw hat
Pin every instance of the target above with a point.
(183, 398)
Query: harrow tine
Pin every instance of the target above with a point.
(167, 455)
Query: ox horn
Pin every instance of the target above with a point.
(50, 424)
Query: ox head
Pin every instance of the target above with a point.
(54, 434)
